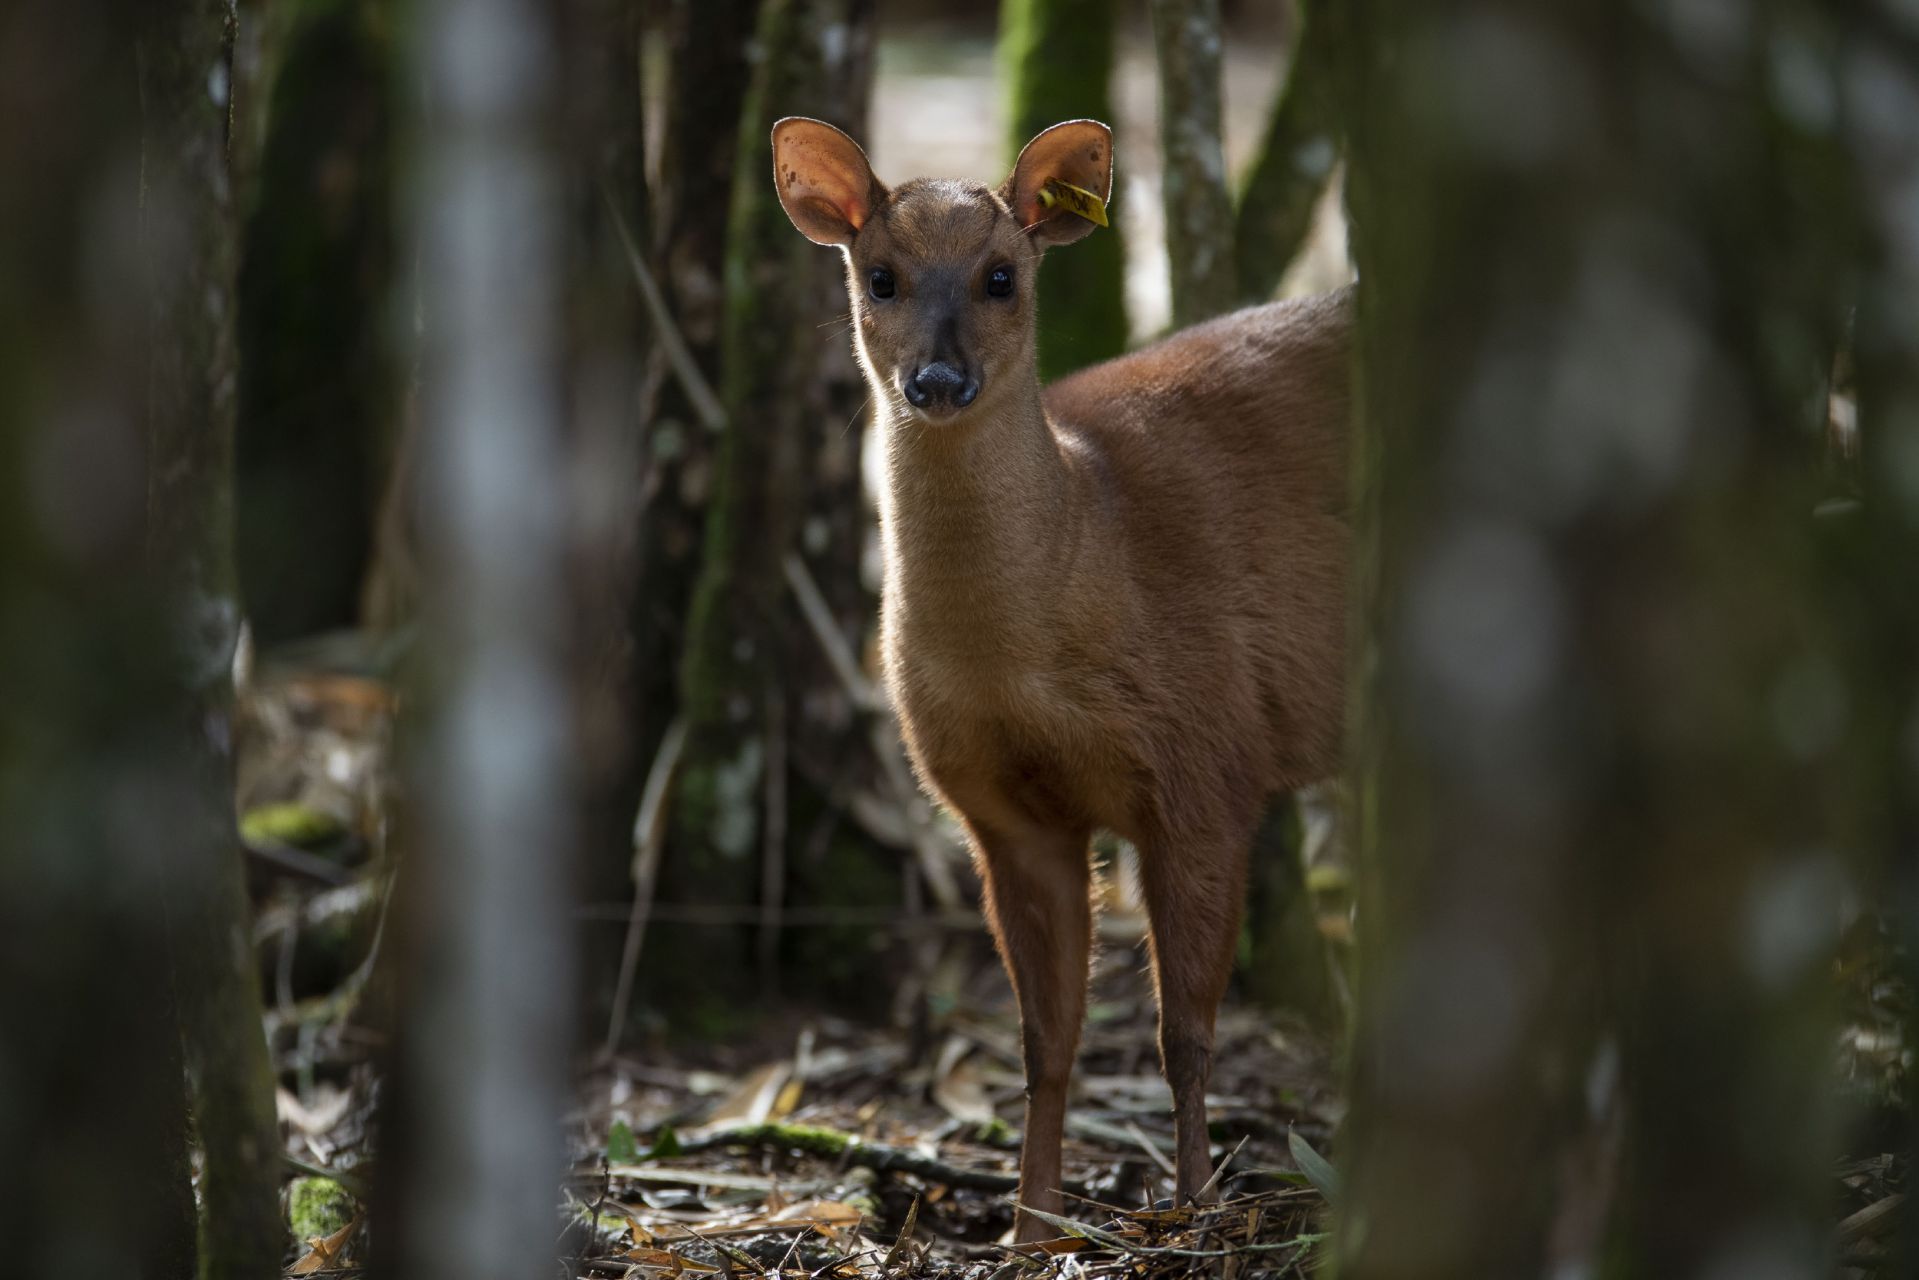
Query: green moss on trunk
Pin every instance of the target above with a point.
(1056, 59)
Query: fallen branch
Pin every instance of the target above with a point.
(832, 1144)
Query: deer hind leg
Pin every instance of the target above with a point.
(1037, 887)
(1193, 892)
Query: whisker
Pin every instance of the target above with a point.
(856, 415)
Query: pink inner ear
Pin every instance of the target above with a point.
(831, 186)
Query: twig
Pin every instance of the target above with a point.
(297, 861)
(885, 735)
(1147, 1145)
(1212, 1183)
(773, 844)
(649, 836)
(819, 618)
(698, 390)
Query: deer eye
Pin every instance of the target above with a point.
(999, 284)
(880, 283)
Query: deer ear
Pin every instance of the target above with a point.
(825, 184)
(1079, 154)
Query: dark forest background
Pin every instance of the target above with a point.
(438, 581)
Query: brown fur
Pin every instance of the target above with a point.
(1116, 604)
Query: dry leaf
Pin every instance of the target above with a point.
(325, 1255)
(957, 1086)
(753, 1100)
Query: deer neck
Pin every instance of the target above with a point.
(977, 518)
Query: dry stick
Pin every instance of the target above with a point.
(686, 369)
(839, 656)
(1212, 1183)
(773, 848)
(1146, 1144)
(649, 837)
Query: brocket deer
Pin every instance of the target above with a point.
(1118, 602)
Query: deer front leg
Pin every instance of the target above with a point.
(1193, 894)
(1037, 886)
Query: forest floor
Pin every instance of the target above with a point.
(811, 1146)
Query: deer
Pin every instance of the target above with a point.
(1117, 602)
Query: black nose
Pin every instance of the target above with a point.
(941, 383)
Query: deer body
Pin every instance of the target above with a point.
(1118, 604)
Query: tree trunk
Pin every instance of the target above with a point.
(1199, 212)
(189, 235)
(471, 1123)
(707, 73)
(318, 396)
(786, 480)
(1056, 58)
(84, 729)
(1590, 867)
(1287, 965)
(1294, 163)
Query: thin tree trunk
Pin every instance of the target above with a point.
(189, 239)
(1056, 58)
(1590, 866)
(782, 458)
(1295, 160)
(84, 726)
(1199, 212)
(471, 1125)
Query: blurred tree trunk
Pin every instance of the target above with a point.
(86, 733)
(470, 1125)
(1295, 160)
(755, 690)
(604, 342)
(318, 395)
(189, 237)
(1584, 484)
(1874, 546)
(1199, 211)
(1056, 59)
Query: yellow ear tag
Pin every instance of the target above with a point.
(1075, 200)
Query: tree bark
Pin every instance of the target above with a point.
(1287, 965)
(484, 949)
(189, 238)
(786, 479)
(1199, 211)
(707, 75)
(1295, 160)
(1590, 864)
(1056, 58)
(85, 728)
